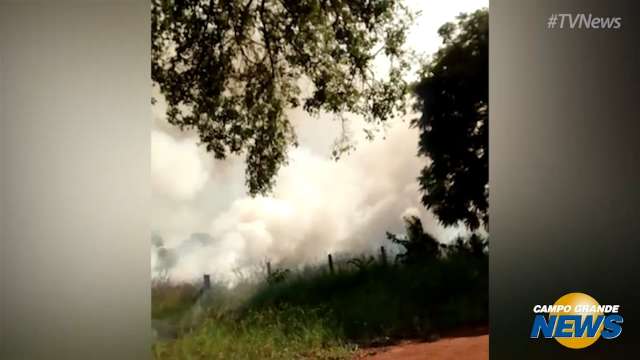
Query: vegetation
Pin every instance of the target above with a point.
(289, 333)
(229, 69)
(316, 314)
(454, 126)
(421, 293)
(169, 299)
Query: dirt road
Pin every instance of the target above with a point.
(460, 348)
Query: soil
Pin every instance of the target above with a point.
(451, 348)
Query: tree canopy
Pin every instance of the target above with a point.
(230, 68)
(454, 126)
(419, 245)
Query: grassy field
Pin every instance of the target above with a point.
(286, 333)
(314, 313)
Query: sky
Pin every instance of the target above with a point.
(203, 221)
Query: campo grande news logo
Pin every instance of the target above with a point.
(576, 321)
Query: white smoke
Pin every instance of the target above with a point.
(319, 206)
(176, 167)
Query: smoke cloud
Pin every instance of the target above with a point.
(319, 206)
(204, 222)
(177, 170)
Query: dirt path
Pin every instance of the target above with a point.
(468, 348)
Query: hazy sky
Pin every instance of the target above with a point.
(318, 206)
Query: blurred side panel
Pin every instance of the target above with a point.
(75, 87)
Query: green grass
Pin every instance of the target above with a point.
(286, 333)
(312, 313)
(390, 302)
(170, 300)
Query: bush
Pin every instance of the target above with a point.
(396, 301)
(171, 299)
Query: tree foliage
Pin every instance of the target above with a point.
(454, 126)
(422, 248)
(231, 68)
(419, 245)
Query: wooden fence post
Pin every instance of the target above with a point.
(330, 264)
(383, 255)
